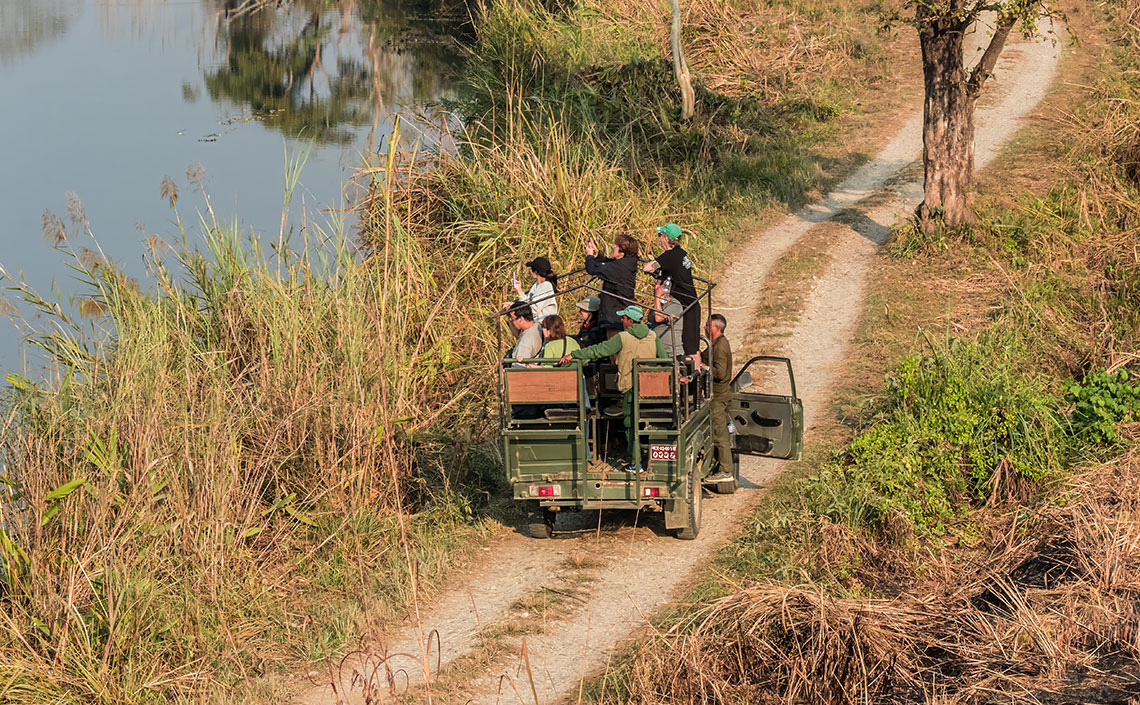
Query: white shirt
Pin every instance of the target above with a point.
(542, 309)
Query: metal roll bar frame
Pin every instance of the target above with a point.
(588, 285)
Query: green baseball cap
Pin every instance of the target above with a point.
(670, 230)
(633, 312)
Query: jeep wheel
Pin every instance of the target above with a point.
(693, 498)
(540, 523)
(729, 486)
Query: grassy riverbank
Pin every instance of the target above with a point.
(266, 456)
(229, 482)
(970, 534)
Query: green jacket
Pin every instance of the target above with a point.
(721, 363)
(613, 345)
(639, 337)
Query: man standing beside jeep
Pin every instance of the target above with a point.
(718, 357)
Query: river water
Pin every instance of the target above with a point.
(105, 98)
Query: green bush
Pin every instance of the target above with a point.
(1102, 401)
(947, 421)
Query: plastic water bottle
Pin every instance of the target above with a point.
(731, 427)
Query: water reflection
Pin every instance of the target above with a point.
(125, 92)
(26, 24)
(281, 77)
(319, 73)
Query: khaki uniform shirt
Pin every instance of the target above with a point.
(720, 354)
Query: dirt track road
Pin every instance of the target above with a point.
(641, 569)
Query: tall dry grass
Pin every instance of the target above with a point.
(603, 70)
(573, 131)
(1042, 610)
(221, 483)
(768, 51)
(521, 187)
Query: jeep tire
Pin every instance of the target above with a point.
(693, 493)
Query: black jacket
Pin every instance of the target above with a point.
(590, 335)
(676, 265)
(618, 277)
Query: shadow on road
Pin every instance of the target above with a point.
(614, 522)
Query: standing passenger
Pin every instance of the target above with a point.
(718, 357)
(541, 295)
(618, 273)
(674, 262)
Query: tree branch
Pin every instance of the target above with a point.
(680, 67)
(985, 67)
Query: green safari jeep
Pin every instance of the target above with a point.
(557, 424)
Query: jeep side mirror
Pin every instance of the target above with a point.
(744, 381)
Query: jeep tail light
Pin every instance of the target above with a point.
(545, 490)
(650, 491)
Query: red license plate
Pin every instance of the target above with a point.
(663, 453)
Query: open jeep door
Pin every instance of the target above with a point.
(767, 414)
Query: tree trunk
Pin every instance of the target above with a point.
(680, 68)
(947, 123)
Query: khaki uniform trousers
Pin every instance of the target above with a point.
(722, 439)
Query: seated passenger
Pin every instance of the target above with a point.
(529, 344)
(558, 344)
(590, 332)
(635, 342)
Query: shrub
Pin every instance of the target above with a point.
(1100, 402)
(949, 419)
